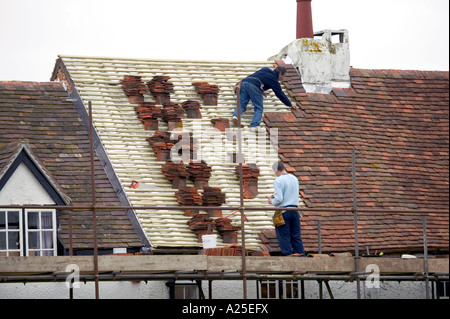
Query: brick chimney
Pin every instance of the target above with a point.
(322, 58)
(304, 19)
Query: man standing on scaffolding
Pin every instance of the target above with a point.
(286, 195)
(253, 87)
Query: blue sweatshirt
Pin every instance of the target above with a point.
(269, 78)
(286, 191)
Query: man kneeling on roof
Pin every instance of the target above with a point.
(253, 88)
(286, 194)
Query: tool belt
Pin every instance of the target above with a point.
(278, 219)
(261, 85)
(237, 86)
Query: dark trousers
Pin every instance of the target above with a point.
(289, 235)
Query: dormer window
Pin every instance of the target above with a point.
(28, 232)
(40, 232)
(25, 181)
(11, 238)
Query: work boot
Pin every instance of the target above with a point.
(236, 122)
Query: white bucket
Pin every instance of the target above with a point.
(119, 250)
(209, 241)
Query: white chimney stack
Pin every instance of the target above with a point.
(322, 62)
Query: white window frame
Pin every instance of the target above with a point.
(40, 250)
(182, 289)
(269, 283)
(444, 289)
(24, 233)
(7, 250)
(281, 288)
(293, 284)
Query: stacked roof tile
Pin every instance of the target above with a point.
(209, 92)
(250, 175)
(133, 157)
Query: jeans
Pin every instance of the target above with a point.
(289, 235)
(251, 92)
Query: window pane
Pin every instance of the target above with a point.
(190, 292)
(13, 220)
(179, 292)
(2, 220)
(47, 239)
(295, 291)
(269, 289)
(288, 290)
(46, 220)
(272, 290)
(292, 289)
(186, 292)
(33, 240)
(33, 220)
(2, 240)
(264, 293)
(13, 240)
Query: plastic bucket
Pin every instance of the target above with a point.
(209, 241)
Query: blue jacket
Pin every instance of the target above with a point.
(269, 78)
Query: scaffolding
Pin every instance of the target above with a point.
(294, 269)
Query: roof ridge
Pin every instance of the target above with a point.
(161, 60)
(31, 84)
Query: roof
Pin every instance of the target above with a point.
(124, 137)
(38, 118)
(398, 124)
(315, 142)
(11, 153)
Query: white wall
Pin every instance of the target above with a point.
(118, 290)
(221, 290)
(23, 188)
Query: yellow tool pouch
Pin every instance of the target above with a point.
(278, 219)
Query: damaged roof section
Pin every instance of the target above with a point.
(36, 118)
(139, 103)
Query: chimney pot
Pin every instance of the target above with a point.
(304, 19)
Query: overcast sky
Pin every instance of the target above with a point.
(384, 34)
